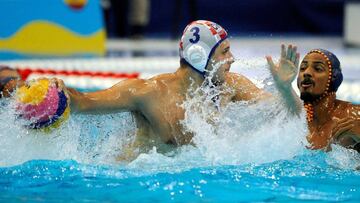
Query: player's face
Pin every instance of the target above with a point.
(221, 62)
(313, 75)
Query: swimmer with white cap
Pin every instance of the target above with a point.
(155, 102)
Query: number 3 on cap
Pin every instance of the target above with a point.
(195, 31)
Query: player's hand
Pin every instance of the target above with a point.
(285, 71)
(61, 87)
(59, 83)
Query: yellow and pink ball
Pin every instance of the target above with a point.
(42, 105)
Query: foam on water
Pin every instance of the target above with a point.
(343, 158)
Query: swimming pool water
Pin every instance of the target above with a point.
(307, 177)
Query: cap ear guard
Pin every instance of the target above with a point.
(197, 55)
(336, 79)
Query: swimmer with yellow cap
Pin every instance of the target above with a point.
(204, 54)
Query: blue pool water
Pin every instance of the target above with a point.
(305, 177)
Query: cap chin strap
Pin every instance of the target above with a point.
(197, 56)
(192, 67)
(309, 106)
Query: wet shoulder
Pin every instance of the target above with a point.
(236, 79)
(158, 84)
(347, 108)
(163, 80)
(245, 88)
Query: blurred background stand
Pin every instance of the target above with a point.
(352, 24)
(183, 9)
(126, 18)
(138, 17)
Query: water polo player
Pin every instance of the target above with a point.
(9, 80)
(155, 102)
(330, 120)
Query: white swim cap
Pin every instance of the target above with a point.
(199, 40)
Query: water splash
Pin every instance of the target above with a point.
(343, 158)
(84, 138)
(239, 133)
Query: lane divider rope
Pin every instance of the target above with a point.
(26, 71)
